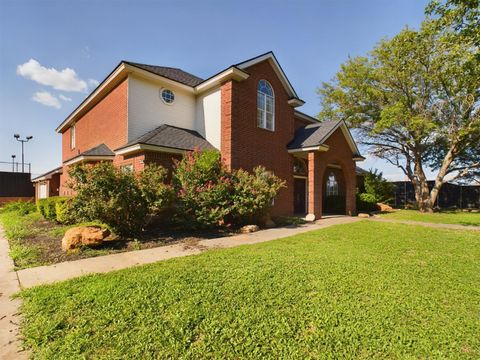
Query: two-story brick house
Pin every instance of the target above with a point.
(142, 114)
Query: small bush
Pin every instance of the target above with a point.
(366, 202)
(41, 205)
(49, 209)
(20, 207)
(63, 210)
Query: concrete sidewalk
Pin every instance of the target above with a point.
(426, 224)
(102, 264)
(9, 318)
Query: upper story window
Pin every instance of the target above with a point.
(72, 137)
(168, 96)
(332, 185)
(265, 106)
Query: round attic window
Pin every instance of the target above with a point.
(168, 96)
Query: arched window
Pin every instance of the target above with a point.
(332, 185)
(299, 167)
(265, 105)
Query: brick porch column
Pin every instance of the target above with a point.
(350, 189)
(314, 186)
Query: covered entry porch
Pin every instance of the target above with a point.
(324, 170)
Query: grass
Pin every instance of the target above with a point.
(363, 290)
(444, 217)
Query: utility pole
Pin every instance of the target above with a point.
(17, 137)
(13, 162)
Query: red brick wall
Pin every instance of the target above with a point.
(245, 145)
(105, 123)
(341, 154)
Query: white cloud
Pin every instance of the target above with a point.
(47, 99)
(65, 80)
(92, 83)
(64, 98)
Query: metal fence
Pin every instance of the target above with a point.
(14, 166)
(450, 195)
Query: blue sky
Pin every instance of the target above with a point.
(311, 39)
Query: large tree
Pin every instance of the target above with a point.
(415, 102)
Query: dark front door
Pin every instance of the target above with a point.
(299, 196)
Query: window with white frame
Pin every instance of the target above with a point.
(332, 185)
(72, 137)
(265, 106)
(127, 168)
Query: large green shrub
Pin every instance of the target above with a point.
(382, 190)
(366, 202)
(120, 199)
(253, 194)
(208, 195)
(204, 190)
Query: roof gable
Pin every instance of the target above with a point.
(270, 57)
(174, 74)
(316, 134)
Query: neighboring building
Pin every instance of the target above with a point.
(15, 186)
(144, 114)
(449, 196)
(48, 184)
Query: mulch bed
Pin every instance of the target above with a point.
(50, 247)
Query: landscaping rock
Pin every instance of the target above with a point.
(475, 210)
(363, 215)
(249, 229)
(310, 217)
(84, 236)
(384, 207)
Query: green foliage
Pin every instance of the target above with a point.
(414, 98)
(382, 190)
(41, 206)
(354, 291)
(20, 207)
(120, 199)
(155, 191)
(366, 202)
(63, 210)
(253, 194)
(210, 196)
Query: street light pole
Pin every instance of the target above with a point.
(17, 137)
(13, 162)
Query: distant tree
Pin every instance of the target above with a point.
(377, 186)
(415, 100)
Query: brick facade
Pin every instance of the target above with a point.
(245, 145)
(105, 123)
(242, 143)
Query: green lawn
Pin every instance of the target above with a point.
(445, 217)
(363, 290)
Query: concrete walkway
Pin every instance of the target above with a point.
(9, 318)
(102, 264)
(427, 224)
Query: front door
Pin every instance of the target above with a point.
(299, 196)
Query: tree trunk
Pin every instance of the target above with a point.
(422, 193)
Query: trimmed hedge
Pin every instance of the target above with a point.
(54, 208)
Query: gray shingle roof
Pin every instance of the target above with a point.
(313, 134)
(99, 150)
(170, 73)
(173, 137)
